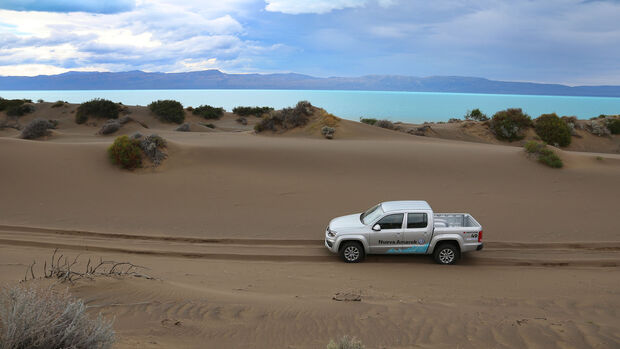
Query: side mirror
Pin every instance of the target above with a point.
(376, 227)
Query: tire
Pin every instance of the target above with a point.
(352, 252)
(446, 254)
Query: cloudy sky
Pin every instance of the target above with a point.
(561, 41)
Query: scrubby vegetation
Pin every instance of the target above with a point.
(126, 152)
(553, 130)
(345, 342)
(614, 125)
(242, 120)
(368, 121)
(153, 147)
(168, 111)
(598, 127)
(510, 124)
(7, 104)
(476, 115)
(208, 112)
(385, 124)
(59, 104)
(38, 128)
(328, 132)
(287, 118)
(543, 154)
(248, 111)
(183, 128)
(109, 127)
(20, 110)
(98, 108)
(42, 318)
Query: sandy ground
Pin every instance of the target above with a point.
(231, 225)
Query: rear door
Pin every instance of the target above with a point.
(389, 238)
(417, 233)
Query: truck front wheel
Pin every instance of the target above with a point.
(446, 254)
(352, 252)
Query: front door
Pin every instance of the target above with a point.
(416, 233)
(389, 238)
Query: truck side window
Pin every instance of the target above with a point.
(393, 221)
(416, 220)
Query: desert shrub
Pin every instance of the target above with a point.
(58, 104)
(287, 118)
(510, 124)
(9, 103)
(124, 120)
(38, 128)
(614, 126)
(553, 130)
(345, 343)
(136, 135)
(247, 111)
(242, 120)
(368, 121)
(208, 112)
(168, 111)
(109, 127)
(20, 110)
(183, 128)
(153, 146)
(40, 101)
(328, 132)
(476, 115)
(543, 154)
(43, 318)
(126, 152)
(98, 108)
(190, 108)
(598, 127)
(385, 124)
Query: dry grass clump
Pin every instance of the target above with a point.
(59, 104)
(345, 342)
(109, 127)
(38, 128)
(153, 147)
(328, 132)
(43, 318)
(543, 154)
(385, 124)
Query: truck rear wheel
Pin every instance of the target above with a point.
(352, 252)
(446, 254)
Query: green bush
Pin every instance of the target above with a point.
(510, 124)
(8, 103)
(208, 112)
(368, 121)
(476, 115)
(20, 110)
(168, 110)
(543, 154)
(553, 130)
(98, 108)
(256, 111)
(59, 104)
(126, 152)
(614, 126)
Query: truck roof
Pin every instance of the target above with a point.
(405, 205)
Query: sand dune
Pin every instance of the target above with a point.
(232, 226)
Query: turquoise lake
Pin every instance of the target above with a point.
(395, 106)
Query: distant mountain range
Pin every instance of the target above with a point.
(215, 79)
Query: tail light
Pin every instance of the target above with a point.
(480, 236)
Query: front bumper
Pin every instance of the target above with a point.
(330, 244)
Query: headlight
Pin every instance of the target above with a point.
(331, 233)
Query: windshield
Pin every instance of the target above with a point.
(372, 214)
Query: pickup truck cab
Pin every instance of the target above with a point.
(403, 227)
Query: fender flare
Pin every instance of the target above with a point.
(445, 237)
(359, 238)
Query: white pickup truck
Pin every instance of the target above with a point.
(403, 227)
